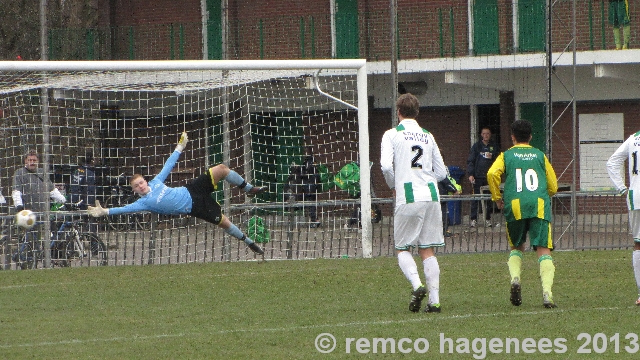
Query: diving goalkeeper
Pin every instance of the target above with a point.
(193, 199)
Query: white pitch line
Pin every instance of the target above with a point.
(21, 286)
(76, 341)
(295, 328)
(434, 318)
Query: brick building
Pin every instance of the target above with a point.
(472, 63)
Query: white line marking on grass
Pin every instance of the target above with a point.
(295, 328)
(435, 318)
(76, 341)
(22, 286)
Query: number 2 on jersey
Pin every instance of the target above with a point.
(530, 180)
(414, 162)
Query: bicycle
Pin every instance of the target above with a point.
(71, 245)
(29, 250)
(122, 195)
(68, 244)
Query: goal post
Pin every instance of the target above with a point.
(262, 118)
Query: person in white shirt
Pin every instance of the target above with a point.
(412, 166)
(628, 151)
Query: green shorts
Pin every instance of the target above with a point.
(619, 13)
(539, 233)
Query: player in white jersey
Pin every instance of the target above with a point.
(412, 167)
(629, 151)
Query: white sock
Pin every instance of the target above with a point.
(432, 273)
(636, 268)
(409, 268)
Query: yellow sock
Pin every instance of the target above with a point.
(616, 38)
(515, 264)
(626, 31)
(547, 272)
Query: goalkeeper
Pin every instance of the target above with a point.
(193, 199)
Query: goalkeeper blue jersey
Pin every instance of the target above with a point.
(161, 199)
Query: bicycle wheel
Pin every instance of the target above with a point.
(59, 254)
(116, 222)
(86, 250)
(28, 253)
(74, 249)
(97, 249)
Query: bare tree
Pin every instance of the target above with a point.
(20, 24)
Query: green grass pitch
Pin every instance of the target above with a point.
(278, 309)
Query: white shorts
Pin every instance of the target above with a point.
(634, 224)
(418, 224)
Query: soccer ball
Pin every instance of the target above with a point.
(26, 219)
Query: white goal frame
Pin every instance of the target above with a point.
(184, 65)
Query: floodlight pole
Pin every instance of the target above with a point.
(394, 61)
(549, 60)
(44, 108)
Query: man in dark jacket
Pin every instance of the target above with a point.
(480, 159)
(303, 184)
(83, 183)
(83, 186)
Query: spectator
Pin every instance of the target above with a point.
(303, 185)
(31, 188)
(83, 186)
(83, 183)
(480, 159)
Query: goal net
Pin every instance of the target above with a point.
(297, 127)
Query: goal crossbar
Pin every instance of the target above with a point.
(178, 65)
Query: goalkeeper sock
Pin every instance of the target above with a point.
(432, 274)
(235, 179)
(237, 233)
(547, 272)
(636, 268)
(409, 269)
(515, 264)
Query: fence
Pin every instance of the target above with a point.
(601, 223)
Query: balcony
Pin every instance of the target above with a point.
(425, 33)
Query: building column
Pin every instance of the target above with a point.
(507, 116)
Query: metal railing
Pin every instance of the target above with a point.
(435, 31)
(601, 223)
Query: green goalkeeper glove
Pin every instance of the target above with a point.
(182, 143)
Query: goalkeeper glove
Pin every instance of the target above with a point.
(97, 210)
(182, 143)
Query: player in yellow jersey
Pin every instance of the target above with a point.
(529, 183)
(619, 18)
